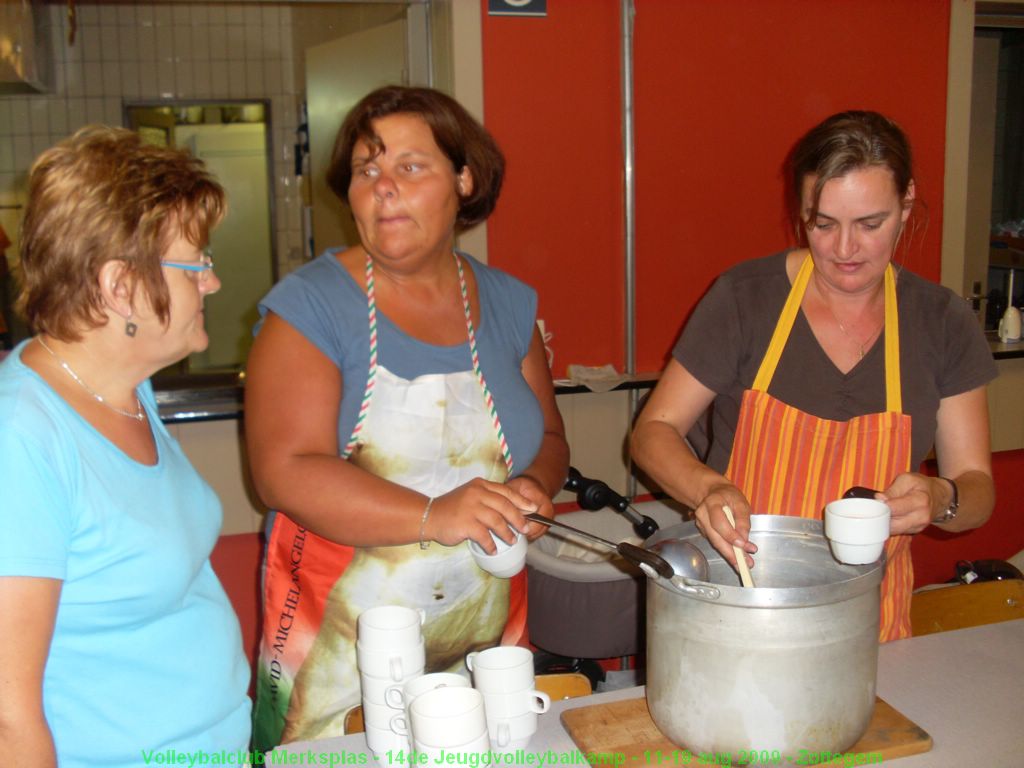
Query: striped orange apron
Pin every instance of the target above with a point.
(788, 462)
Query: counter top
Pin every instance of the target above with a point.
(222, 396)
(964, 687)
(1001, 350)
(211, 401)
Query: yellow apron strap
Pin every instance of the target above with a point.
(784, 326)
(893, 389)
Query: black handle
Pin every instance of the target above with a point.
(641, 556)
(860, 492)
(595, 494)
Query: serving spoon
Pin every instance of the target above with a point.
(684, 557)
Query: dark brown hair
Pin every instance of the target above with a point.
(100, 195)
(459, 136)
(842, 143)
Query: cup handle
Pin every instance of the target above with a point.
(395, 663)
(393, 697)
(504, 735)
(540, 702)
(469, 659)
(399, 725)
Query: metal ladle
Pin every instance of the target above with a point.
(655, 563)
(684, 557)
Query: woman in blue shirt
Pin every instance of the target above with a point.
(124, 649)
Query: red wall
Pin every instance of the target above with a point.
(551, 99)
(722, 91)
(936, 552)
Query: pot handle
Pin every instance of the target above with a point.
(694, 588)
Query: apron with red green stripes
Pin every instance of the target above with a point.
(431, 434)
(788, 462)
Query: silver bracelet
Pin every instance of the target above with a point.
(423, 523)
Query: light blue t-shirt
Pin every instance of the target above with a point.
(323, 303)
(146, 657)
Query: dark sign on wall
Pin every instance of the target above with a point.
(517, 7)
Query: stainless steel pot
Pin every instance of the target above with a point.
(787, 666)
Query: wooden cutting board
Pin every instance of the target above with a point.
(626, 728)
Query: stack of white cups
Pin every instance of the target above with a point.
(389, 652)
(504, 677)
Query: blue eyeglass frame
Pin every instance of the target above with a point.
(204, 265)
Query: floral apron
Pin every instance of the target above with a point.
(431, 434)
(788, 462)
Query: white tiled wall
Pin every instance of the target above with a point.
(143, 51)
(151, 51)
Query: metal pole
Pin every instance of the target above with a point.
(629, 192)
(627, 13)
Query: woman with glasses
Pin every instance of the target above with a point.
(124, 643)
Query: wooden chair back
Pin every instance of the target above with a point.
(966, 605)
(564, 685)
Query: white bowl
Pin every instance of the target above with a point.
(856, 554)
(506, 562)
(857, 529)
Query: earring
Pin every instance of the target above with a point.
(130, 328)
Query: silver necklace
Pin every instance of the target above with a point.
(139, 414)
(862, 345)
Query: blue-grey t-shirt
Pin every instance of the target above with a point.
(328, 307)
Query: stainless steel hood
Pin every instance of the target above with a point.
(24, 47)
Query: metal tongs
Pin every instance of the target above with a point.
(655, 563)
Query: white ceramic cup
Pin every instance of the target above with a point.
(401, 696)
(857, 529)
(512, 733)
(515, 703)
(395, 663)
(375, 689)
(425, 754)
(507, 561)
(447, 717)
(502, 669)
(389, 626)
(384, 740)
(378, 715)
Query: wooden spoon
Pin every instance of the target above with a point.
(741, 556)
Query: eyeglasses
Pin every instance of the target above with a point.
(202, 267)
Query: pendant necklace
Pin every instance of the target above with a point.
(861, 345)
(850, 336)
(140, 412)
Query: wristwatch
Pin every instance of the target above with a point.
(949, 513)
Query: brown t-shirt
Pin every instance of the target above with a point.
(943, 352)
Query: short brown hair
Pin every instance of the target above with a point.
(459, 136)
(846, 142)
(99, 195)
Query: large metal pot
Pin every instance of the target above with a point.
(787, 666)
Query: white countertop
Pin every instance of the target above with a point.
(964, 687)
